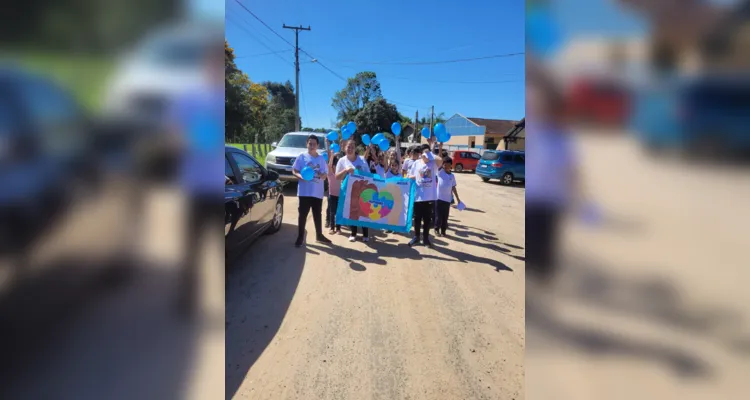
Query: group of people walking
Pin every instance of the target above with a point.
(432, 173)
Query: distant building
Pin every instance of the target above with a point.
(482, 133)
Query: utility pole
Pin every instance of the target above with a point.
(432, 118)
(416, 130)
(296, 70)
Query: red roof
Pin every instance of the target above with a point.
(494, 126)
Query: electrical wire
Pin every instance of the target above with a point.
(259, 41)
(263, 54)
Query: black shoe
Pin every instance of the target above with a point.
(413, 241)
(328, 224)
(427, 242)
(438, 234)
(298, 243)
(323, 239)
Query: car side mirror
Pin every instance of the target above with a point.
(274, 145)
(273, 175)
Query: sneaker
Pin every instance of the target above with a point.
(322, 239)
(332, 232)
(438, 234)
(366, 239)
(413, 241)
(298, 243)
(352, 238)
(428, 243)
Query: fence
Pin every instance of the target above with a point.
(259, 151)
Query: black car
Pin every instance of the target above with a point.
(253, 201)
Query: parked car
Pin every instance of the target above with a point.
(253, 201)
(599, 101)
(465, 160)
(282, 157)
(508, 166)
(46, 153)
(697, 115)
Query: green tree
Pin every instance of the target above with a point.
(376, 117)
(245, 103)
(360, 90)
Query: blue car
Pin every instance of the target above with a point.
(694, 114)
(507, 166)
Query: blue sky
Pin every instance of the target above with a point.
(348, 36)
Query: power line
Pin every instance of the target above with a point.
(288, 42)
(263, 54)
(259, 41)
(264, 24)
(435, 62)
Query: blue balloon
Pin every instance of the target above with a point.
(426, 132)
(307, 173)
(366, 139)
(325, 156)
(351, 126)
(384, 144)
(346, 133)
(396, 128)
(335, 148)
(377, 138)
(447, 137)
(439, 129)
(332, 135)
(442, 136)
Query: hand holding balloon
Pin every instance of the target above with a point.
(307, 173)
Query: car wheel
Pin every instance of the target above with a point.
(486, 179)
(507, 178)
(278, 217)
(459, 168)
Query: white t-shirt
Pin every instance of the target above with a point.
(358, 164)
(446, 182)
(313, 187)
(407, 164)
(426, 180)
(380, 171)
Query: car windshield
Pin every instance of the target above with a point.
(490, 155)
(299, 141)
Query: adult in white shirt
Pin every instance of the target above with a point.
(347, 165)
(424, 172)
(310, 193)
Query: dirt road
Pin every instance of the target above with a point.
(382, 320)
(652, 301)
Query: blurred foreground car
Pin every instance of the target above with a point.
(47, 152)
(161, 68)
(700, 115)
(253, 201)
(508, 166)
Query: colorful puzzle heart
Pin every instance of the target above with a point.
(376, 204)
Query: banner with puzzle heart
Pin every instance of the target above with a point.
(369, 201)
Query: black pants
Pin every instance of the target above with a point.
(365, 231)
(542, 222)
(423, 213)
(443, 211)
(333, 205)
(305, 204)
(203, 216)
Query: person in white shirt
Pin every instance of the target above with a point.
(412, 156)
(446, 189)
(346, 166)
(424, 172)
(310, 193)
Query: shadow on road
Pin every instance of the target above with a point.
(444, 248)
(259, 291)
(81, 321)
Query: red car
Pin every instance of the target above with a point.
(599, 102)
(465, 160)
